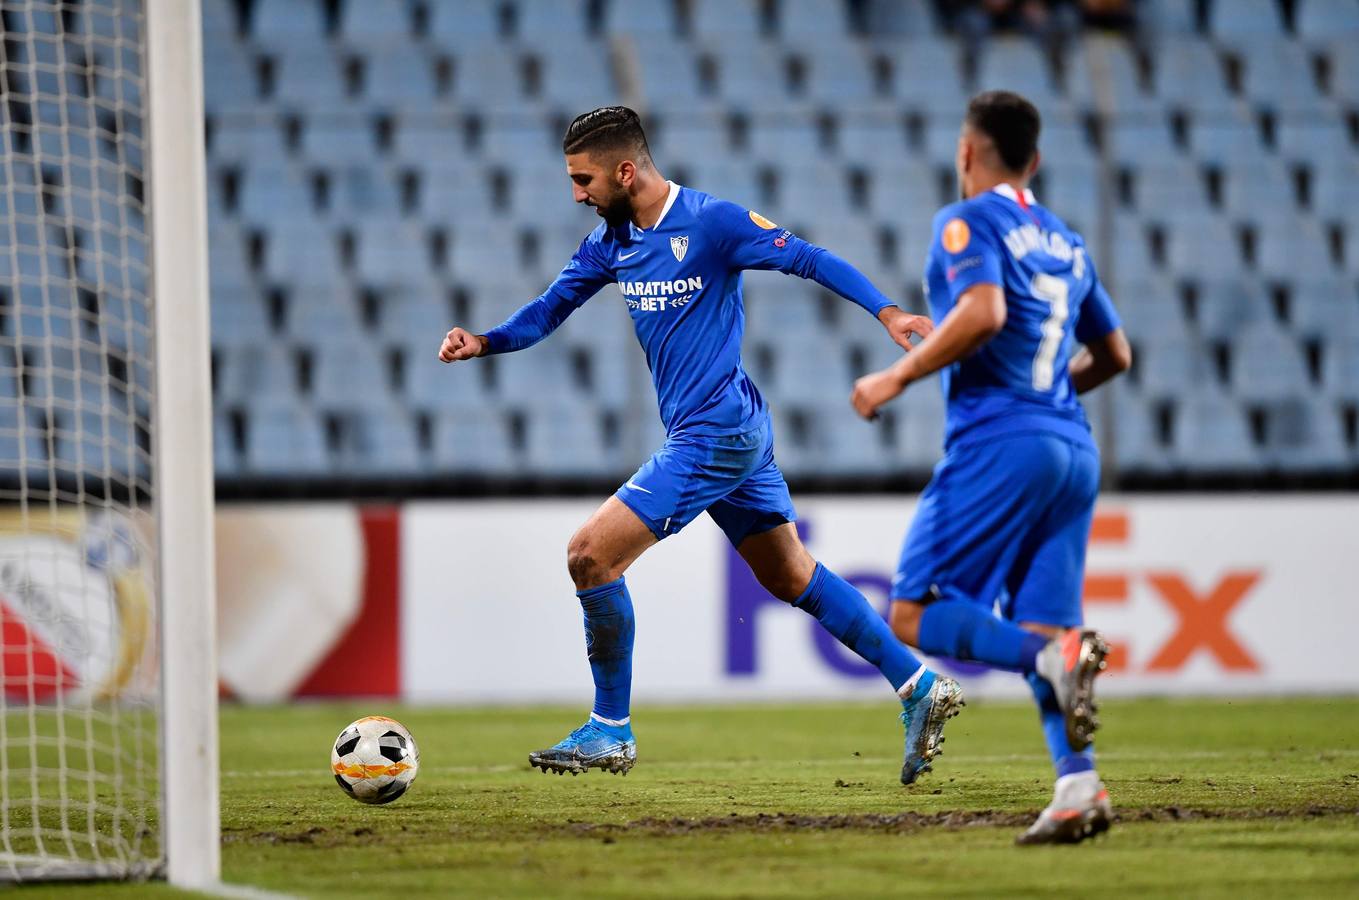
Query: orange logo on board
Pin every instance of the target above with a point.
(762, 221)
(956, 235)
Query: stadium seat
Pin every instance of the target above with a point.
(904, 189)
(490, 79)
(1268, 367)
(461, 26)
(1203, 246)
(474, 441)
(285, 440)
(1160, 189)
(1136, 444)
(755, 80)
(1278, 75)
(449, 194)
(302, 253)
(669, 74)
(1326, 20)
(900, 18)
(1071, 191)
(348, 372)
(308, 79)
(1244, 20)
(724, 19)
(525, 141)
(920, 421)
(1303, 435)
(258, 371)
(1149, 309)
(495, 248)
(576, 78)
(926, 76)
(323, 316)
(1211, 436)
(1287, 248)
(429, 143)
(366, 24)
(393, 256)
(1344, 74)
(1227, 307)
(544, 378)
(226, 456)
(1227, 137)
(842, 443)
(439, 389)
(550, 20)
(809, 23)
(647, 19)
(1253, 192)
(1324, 309)
(338, 140)
(1189, 75)
(231, 84)
(1313, 141)
(568, 442)
(730, 179)
(1101, 73)
(1135, 142)
(1335, 194)
(228, 265)
(288, 24)
(1340, 369)
(254, 141)
(694, 139)
(239, 318)
(1166, 365)
(818, 377)
(399, 78)
(872, 141)
(1017, 64)
(1169, 17)
(363, 194)
(381, 442)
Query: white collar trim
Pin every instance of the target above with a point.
(669, 202)
(1006, 190)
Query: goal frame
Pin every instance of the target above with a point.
(190, 805)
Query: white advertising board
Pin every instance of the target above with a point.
(1199, 594)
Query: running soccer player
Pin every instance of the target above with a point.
(1007, 515)
(677, 256)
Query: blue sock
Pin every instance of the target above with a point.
(847, 615)
(962, 630)
(1066, 760)
(609, 631)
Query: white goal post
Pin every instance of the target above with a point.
(108, 678)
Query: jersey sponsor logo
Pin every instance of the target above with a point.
(762, 221)
(956, 236)
(658, 296)
(679, 246)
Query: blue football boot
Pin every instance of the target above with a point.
(593, 745)
(924, 718)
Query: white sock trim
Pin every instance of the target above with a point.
(905, 690)
(616, 723)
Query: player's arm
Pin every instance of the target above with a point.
(579, 281)
(977, 316)
(1106, 352)
(751, 241)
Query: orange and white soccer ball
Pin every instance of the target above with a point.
(375, 759)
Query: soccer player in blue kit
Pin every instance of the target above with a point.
(1007, 514)
(677, 256)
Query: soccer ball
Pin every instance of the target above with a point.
(375, 759)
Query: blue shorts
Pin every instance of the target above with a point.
(734, 478)
(1005, 519)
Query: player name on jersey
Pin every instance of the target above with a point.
(1026, 239)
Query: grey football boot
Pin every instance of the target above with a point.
(1070, 663)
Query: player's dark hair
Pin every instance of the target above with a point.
(1011, 122)
(609, 129)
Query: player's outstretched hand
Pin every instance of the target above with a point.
(871, 392)
(901, 325)
(460, 344)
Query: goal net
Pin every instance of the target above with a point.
(81, 531)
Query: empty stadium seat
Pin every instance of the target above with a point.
(302, 252)
(1189, 75)
(1303, 435)
(925, 75)
(1204, 246)
(365, 23)
(1229, 306)
(286, 441)
(1212, 436)
(288, 24)
(474, 442)
(1166, 365)
(568, 442)
(252, 372)
(399, 78)
(1340, 368)
(1324, 309)
(1017, 64)
(725, 19)
(309, 78)
(1257, 191)
(1287, 248)
(380, 442)
(1268, 366)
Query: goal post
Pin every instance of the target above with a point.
(183, 442)
(108, 685)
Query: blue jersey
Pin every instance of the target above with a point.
(681, 279)
(1019, 378)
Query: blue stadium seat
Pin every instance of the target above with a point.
(285, 440)
(1162, 189)
(460, 26)
(534, 380)
(566, 441)
(1268, 366)
(1203, 246)
(475, 441)
(755, 80)
(366, 24)
(489, 79)
(794, 456)
(429, 142)
(1101, 73)
(1335, 193)
(399, 78)
(228, 264)
(348, 373)
(1324, 309)
(784, 138)
(1017, 64)
(1211, 435)
(239, 317)
(1340, 368)
(393, 256)
(1064, 141)
(576, 78)
(871, 141)
(940, 147)
(302, 252)
(844, 444)
(669, 73)
(646, 19)
(230, 78)
(494, 248)
(731, 179)
(693, 139)
(257, 372)
(380, 442)
(1326, 20)
(1189, 75)
(820, 376)
(1285, 248)
(781, 307)
(527, 141)
(339, 140)
(724, 19)
(286, 25)
(1169, 17)
(1278, 75)
(838, 74)
(810, 23)
(1136, 445)
(323, 316)
(926, 76)
(363, 194)
(1071, 190)
(1246, 20)
(1314, 141)
(308, 78)
(1136, 142)
(1149, 309)
(1252, 192)
(919, 429)
(275, 195)
(1344, 80)
(254, 141)
(415, 316)
(1230, 306)
(1303, 435)
(905, 189)
(551, 20)
(1227, 137)
(1166, 365)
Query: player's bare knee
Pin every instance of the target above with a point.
(787, 583)
(583, 562)
(905, 620)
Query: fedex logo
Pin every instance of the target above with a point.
(1199, 612)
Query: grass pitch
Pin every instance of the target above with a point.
(1216, 798)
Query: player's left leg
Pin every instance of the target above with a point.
(757, 518)
(1045, 598)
